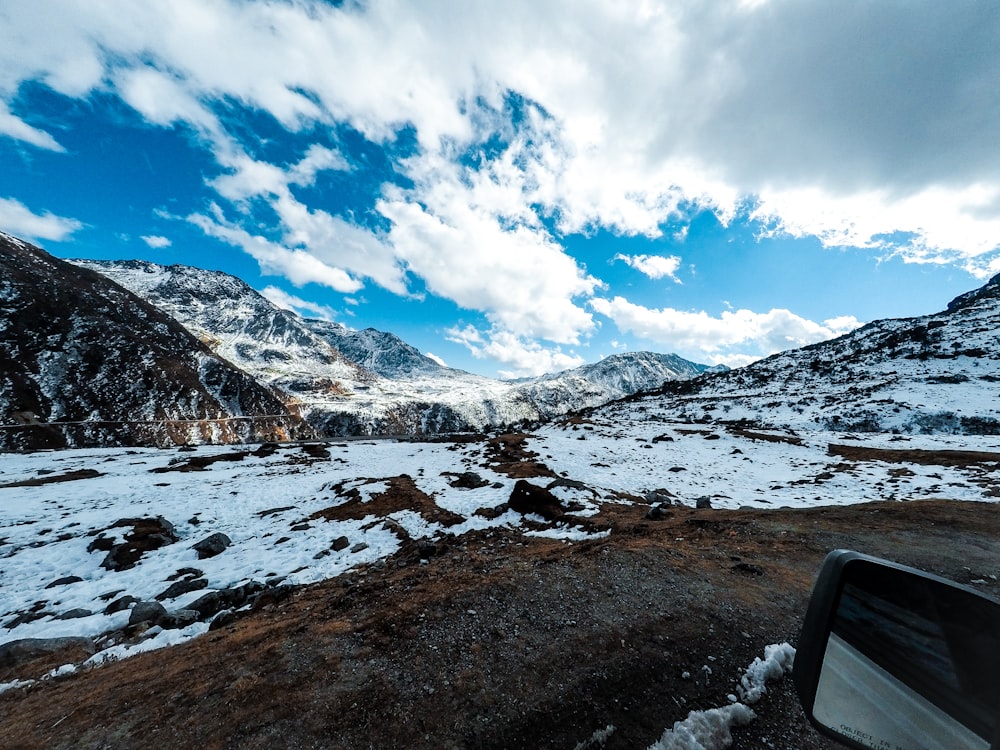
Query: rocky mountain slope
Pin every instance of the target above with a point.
(84, 361)
(936, 373)
(349, 382)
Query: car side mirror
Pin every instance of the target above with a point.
(891, 658)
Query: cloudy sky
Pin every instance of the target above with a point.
(517, 187)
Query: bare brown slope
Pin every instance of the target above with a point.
(502, 641)
(76, 347)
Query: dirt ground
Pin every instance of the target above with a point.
(498, 640)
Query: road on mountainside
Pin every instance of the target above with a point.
(499, 640)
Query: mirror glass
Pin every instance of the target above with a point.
(911, 662)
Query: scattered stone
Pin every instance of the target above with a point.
(528, 498)
(64, 581)
(186, 573)
(748, 569)
(703, 503)
(675, 469)
(222, 619)
(181, 587)
(469, 480)
(212, 545)
(187, 449)
(341, 542)
(147, 534)
(18, 652)
(655, 513)
(75, 614)
(179, 618)
(194, 521)
(120, 604)
(426, 550)
(151, 612)
(359, 547)
(659, 497)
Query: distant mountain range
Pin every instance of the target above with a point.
(936, 373)
(175, 353)
(111, 352)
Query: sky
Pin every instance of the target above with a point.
(520, 187)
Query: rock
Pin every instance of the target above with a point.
(231, 598)
(180, 618)
(152, 612)
(15, 653)
(675, 469)
(194, 520)
(359, 547)
(120, 604)
(528, 498)
(703, 503)
(221, 620)
(748, 569)
(147, 534)
(212, 545)
(75, 614)
(341, 542)
(216, 601)
(659, 497)
(655, 513)
(64, 581)
(469, 480)
(181, 587)
(426, 550)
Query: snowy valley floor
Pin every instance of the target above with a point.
(414, 595)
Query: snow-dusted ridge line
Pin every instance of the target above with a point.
(371, 382)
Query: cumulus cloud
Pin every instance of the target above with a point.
(298, 266)
(286, 301)
(653, 266)
(156, 241)
(863, 124)
(761, 333)
(19, 220)
(521, 356)
(436, 358)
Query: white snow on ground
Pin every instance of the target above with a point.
(712, 729)
(622, 449)
(264, 504)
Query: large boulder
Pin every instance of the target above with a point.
(528, 498)
(147, 534)
(212, 545)
(15, 653)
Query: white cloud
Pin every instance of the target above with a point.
(522, 357)
(436, 358)
(18, 129)
(156, 241)
(653, 266)
(614, 116)
(735, 334)
(651, 106)
(298, 266)
(20, 221)
(286, 301)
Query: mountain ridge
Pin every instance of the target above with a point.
(371, 382)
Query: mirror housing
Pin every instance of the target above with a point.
(892, 658)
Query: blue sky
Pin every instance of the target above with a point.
(521, 187)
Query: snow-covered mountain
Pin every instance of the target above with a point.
(935, 373)
(349, 382)
(84, 361)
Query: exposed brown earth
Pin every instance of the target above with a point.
(504, 641)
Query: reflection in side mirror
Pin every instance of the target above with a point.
(892, 659)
